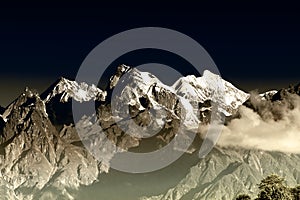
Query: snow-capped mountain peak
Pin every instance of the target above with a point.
(136, 84)
(190, 92)
(71, 89)
(210, 87)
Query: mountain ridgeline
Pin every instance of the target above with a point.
(42, 155)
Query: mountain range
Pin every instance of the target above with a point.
(43, 157)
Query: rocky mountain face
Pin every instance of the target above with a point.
(42, 155)
(228, 172)
(35, 159)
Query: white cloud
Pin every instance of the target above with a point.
(263, 131)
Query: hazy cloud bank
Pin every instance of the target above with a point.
(272, 126)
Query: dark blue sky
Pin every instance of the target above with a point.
(254, 46)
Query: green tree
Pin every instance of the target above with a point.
(273, 188)
(243, 197)
(296, 192)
